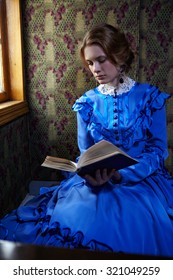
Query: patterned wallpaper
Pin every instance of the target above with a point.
(55, 78)
(156, 54)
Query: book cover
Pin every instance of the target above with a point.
(99, 156)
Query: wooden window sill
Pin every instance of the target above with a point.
(10, 110)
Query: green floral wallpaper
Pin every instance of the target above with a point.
(55, 78)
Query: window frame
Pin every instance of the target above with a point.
(13, 103)
(4, 95)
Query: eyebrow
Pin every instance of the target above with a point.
(96, 58)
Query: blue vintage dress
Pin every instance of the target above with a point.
(133, 216)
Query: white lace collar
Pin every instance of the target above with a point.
(122, 88)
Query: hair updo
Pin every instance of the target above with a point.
(113, 42)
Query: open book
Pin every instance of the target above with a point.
(99, 156)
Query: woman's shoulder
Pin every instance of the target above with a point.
(149, 88)
(85, 102)
(150, 94)
(88, 98)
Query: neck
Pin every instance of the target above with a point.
(115, 83)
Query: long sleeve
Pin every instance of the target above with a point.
(83, 108)
(155, 152)
(84, 139)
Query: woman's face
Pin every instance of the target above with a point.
(104, 71)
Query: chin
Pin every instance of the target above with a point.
(102, 82)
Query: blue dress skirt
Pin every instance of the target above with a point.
(134, 216)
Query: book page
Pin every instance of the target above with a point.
(100, 150)
(60, 164)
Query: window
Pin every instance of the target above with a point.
(12, 99)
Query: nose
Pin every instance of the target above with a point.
(96, 67)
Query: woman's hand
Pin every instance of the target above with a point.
(102, 176)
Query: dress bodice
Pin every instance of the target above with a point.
(124, 119)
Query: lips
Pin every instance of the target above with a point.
(101, 77)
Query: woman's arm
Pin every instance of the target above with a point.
(154, 154)
(84, 139)
(84, 142)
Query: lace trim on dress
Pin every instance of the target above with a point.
(122, 88)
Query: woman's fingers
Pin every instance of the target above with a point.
(116, 176)
(101, 177)
(104, 175)
(92, 181)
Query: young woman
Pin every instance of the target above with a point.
(130, 210)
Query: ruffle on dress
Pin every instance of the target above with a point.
(157, 98)
(63, 238)
(34, 221)
(3, 232)
(29, 220)
(141, 118)
(84, 105)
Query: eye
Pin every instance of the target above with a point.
(102, 59)
(89, 62)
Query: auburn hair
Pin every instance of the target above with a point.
(113, 42)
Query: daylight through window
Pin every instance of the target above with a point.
(12, 99)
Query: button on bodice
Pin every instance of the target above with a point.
(115, 116)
